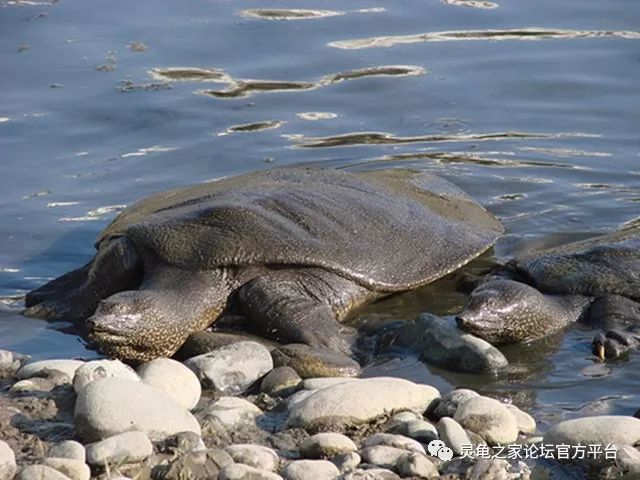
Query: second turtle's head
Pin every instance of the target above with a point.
(506, 311)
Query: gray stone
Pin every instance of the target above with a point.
(417, 465)
(360, 401)
(96, 369)
(37, 384)
(280, 382)
(318, 383)
(489, 469)
(44, 368)
(257, 456)
(183, 442)
(40, 472)
(326, 445)
(439, 341)
(110, 406)
(526, 423)
(628, 459)
(68, 449)
(11, 362)
(421, 430)
(396, 441)
(452, 433)
(232, 369)
(128, 447)
(449, 402)
(347, 461)
(232, 411)
(382, 455)
(370, 474)
(8, 465)
(601, 430)
(298, 397)
(238, 471)
(488, 418)
(174, 379)
(74, 469)
(311, 470)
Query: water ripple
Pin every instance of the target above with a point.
(288, 14)
(472, 3)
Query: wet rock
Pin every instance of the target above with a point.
(257, 456)
(45, 368)
(310, 470)
(239, 471)
(74, 469)
(280, 382)
(602, 430)
(421, 430)
(40, 472)
(526, 423)
(68, 449)
(11, 362)
(417, 465)
(315, 362)
(382, 455)
(96, 369)
(396, 441)
(489, 469)
(370, 474)
(174, 379)
(232, 369)
(232, 411)
(360, 401)
(488, 418)
(8, 465)
(324, 382)
(128, 447)
(327, 445)
(110, 406)
(347, 461)
(452, 433)
(449, 402)
(439, 341)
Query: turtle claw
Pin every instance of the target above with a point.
(614, 344)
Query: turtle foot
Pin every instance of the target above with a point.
(614, 344)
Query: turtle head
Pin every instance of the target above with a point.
(137, 326)
(506, 311)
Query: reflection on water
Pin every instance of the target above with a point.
(493, 116)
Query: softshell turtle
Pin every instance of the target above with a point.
(595, 280)
(293, 250)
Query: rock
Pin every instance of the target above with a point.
(326, 445)
(627, 458)
(347, 461)
(231, 411)
(298, 397)
(8, 465)
(238, 471)
(360, 401)
(449, 402)
(232, 369)
(128, 447)
(404, 417)
(318, 383)
(396, 441)
(280, 382)
(182, 442)
(205, 341)
(68, 449)
(370, 474)
(257, 456)
(489, 469)
(40, 472)
(74, 469)
(602, 430)
(315, 362)
(174, 379)
(439, 341)
(311, 470)
(200, 465)
(421, 430)
(452, 433)
(45, 368)
(110, 406)
(36, 384)
(488, 418)
(10, 363)
(417, 465)
(526, 423)
(382, 455)
(96, 369)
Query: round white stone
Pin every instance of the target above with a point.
(39, 369)
(127, 447)
(310, 470)
(97, 369)
(488, 418)
(173, 378)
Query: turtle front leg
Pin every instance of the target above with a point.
(620, 317)
(303, 306)
(75, 295)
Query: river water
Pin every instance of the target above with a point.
(531, 107)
